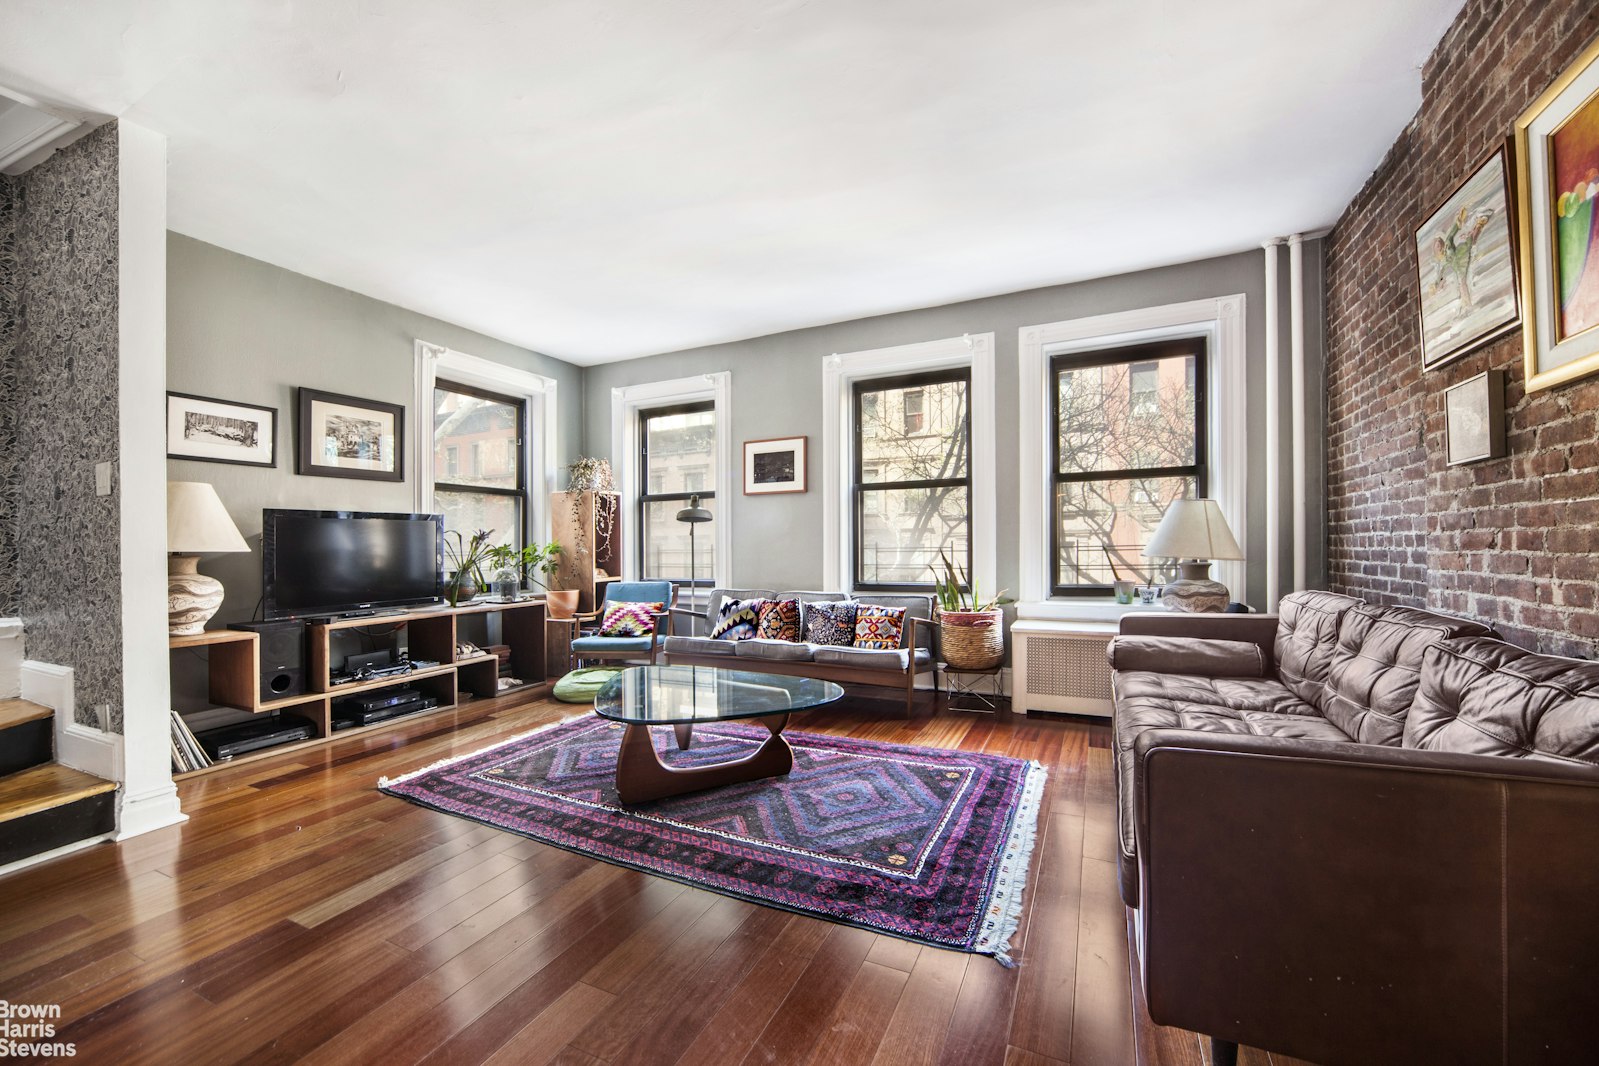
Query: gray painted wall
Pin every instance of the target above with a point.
(65, 417)
(777, 392)
(240, 329)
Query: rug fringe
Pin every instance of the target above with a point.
(1005, 908)
(385, 782)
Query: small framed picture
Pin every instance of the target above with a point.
(1474, 419)
(221, 431)
(345, 436)
(773, 466)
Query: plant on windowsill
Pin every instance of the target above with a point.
(1123, 588)
(971, 631)
(513, 565)
(466, 556)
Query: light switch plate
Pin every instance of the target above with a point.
(102, 479)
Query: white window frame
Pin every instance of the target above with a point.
(1220, 320)
(840, 371)
(434, 361)
(626, 404)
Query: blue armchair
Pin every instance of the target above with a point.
(589, 646)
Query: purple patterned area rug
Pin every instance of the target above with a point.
(926, 844)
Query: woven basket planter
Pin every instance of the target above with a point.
(972, 640)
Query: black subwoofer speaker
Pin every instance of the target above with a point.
(282, 657)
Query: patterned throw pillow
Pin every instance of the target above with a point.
(738, 620)
(877, 627)
(831, 622)
(779, 620)
(630, 619)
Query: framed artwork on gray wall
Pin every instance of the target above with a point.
(346, 436)
(773, 466)
(1474, 419)
(1466, 266)
(221, 431)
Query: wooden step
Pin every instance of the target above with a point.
(27, 736)
(16, 712)
(41, 788)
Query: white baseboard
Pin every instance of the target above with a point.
(79, 746)
(46, 856)
(152, 810)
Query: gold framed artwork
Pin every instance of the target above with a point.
(1557, 194)
(1466, 266)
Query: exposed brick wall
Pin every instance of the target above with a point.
(1512, 541)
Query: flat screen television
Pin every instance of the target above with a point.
(348, 562)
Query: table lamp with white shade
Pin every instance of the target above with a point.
(197, 524)
(1194, 532)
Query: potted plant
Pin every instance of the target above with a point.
(512, 565)
(466, 555)
(589, 474)
(971, 630)
(1122, 588)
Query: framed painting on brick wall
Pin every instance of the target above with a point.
(1466, 266)
(1474, 419)
(1557, 193)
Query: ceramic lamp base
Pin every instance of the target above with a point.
(1195, 591)
(192, 597)
(1205, 596)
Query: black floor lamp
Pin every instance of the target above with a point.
(693, 514)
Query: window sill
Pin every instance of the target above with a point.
(1081, 610)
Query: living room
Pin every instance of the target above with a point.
(1106, 517)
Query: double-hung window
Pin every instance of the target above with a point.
(912, 477)
(488, 490)
(677, 456)
(1128, 438)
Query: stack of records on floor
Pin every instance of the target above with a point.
(186, 751)
(502, 652)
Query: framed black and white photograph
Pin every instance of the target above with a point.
(773, 466)
(346, 436)
(1474, 418)
(221, 431)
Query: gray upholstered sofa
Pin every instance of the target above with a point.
(896, 667)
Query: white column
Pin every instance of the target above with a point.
(1296, 391)
(149, 800)
(1273, 434)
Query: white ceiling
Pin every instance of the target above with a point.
(600, 180)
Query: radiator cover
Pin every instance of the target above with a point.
(1061, 667)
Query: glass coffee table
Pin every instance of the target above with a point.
(681, 696)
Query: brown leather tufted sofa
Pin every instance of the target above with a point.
(1360, 834)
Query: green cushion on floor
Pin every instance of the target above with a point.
(581, 686)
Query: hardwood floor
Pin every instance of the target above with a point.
(301, 915)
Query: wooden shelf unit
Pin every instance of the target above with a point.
(234, 668)
(587, 563)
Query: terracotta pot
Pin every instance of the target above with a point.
(561, 603)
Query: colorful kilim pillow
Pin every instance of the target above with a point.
(630, 619)
(831, 622)
(779, 620)
(877, 627)
(738, 620)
